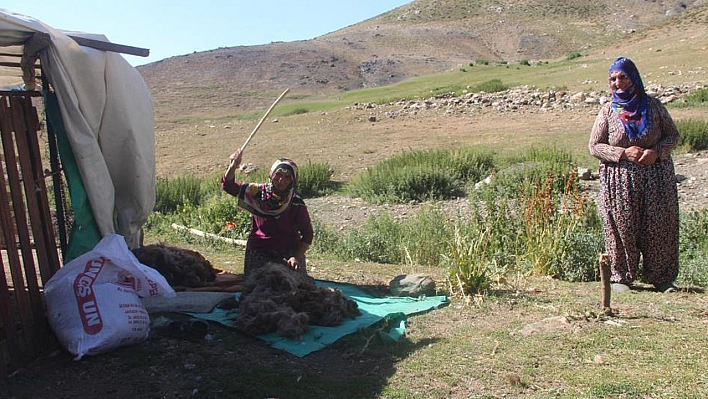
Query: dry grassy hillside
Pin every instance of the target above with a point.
(667, 54)
(420, 38)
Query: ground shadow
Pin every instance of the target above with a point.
(225, 363)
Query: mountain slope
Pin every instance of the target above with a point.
(420, 38)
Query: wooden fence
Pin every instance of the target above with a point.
(29, 250)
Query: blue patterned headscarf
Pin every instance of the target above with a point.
(632, 106)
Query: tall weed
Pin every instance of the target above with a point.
(693, 244)
(465, 262)
(170, 194)
(693, 134)
(527, 168)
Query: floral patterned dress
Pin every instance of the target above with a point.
(639, 204)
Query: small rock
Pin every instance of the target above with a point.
(412, 285)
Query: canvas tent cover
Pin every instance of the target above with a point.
(107, 115)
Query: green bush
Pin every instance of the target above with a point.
(490, 86)
(378, 240)
(693, 244)
(579, 253)
(170, 194)
(219, 215)
(314, 179)
(525, 63)
(693, 134)
(574, 55)
(696, 99)
(421, 176)
(297, 111)
(423, 235)
(532, 166)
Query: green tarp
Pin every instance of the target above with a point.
(373, 310)
(84, 234)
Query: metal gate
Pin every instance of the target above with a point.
(29, 249)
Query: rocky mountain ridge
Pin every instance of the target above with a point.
(420, 38)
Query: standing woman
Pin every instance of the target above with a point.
(281, 230)
(633, 137)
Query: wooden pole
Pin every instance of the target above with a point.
(604, 265)
(243, 147)
(208, 235)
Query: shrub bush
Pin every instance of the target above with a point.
(170, 194)
(696, 99)
(421, 176)
(693, 134)
(490, 86)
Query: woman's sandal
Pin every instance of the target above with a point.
(666, 288)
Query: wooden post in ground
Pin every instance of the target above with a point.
(604, 266)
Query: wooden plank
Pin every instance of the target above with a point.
(7, 312)
(108, 46)
(3, 361)
(32, 121)
(22, 106)
(15, 64)
(28, 301)
(33, 93)
(35, 190)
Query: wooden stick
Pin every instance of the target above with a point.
(210, 235)
(604, 266)
(243, 147)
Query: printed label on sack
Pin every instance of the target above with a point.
(86, 298)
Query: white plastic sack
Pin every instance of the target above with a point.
(93, 302)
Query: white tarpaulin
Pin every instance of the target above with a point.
(108, 116)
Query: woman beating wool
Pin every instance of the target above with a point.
(633, 137)
(281, 229)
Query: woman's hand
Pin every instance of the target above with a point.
(235, 158)
(648, 157)
(640, 156)
(234, 163)
(293, 263)
(633, 154)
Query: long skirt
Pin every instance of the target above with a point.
(639, 207)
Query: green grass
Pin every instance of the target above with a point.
(699, 98)
(693, 134)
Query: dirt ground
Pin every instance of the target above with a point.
(169, 367)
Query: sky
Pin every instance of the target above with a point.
(178, 27)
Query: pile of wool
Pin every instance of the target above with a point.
(180, 267)
(277, 299)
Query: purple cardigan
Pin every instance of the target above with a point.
(282, 233)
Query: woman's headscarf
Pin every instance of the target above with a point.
(265, 200)
(631, 105)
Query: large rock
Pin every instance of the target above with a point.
(413, 285)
